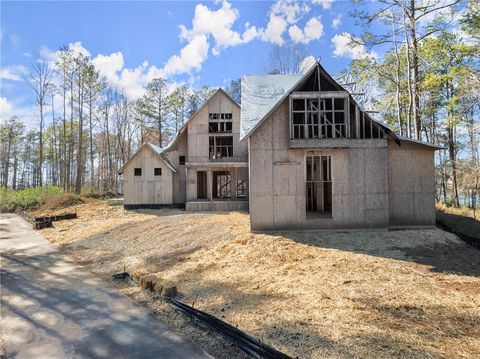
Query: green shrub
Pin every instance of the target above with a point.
(12, 200)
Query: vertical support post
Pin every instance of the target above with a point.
(187, 190)
(371, 129)
(209, 185)
(233, 182)
(334, 129)
(357, 122)
(347, 117)
(290, 103)
(305, 116)
(363, 122)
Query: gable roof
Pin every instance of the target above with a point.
(185, 124)
(157, 151)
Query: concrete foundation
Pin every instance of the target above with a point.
(217, 206)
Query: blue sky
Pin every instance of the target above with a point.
(198, 43)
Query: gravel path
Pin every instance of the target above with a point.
(52, 308)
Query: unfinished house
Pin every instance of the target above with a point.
(205, 167)
(319, 159)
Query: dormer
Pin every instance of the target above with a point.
(322, 112)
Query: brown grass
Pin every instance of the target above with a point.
(57, 205)
(378, 294)
(462, 211)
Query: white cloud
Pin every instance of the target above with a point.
(218, 24)
(285, 14)
(191, 57)
(296, 34)
(275, 28)
(13, 73)
(206, 23)
(5, 106)
(109, 65)
(313, 31)
(27, 114)
(343, 47)
(326, 4)
(306, 64)
(131, 81)
(78, 49)
(250, 33)
(290, 11)
(336, 22)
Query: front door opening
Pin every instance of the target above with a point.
(201, 184)
(319, 186)
(222, 187)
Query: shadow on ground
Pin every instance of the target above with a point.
(449, 255)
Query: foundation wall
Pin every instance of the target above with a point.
(217, 206)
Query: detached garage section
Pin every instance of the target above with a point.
(148, 179)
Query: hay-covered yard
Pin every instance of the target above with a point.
(371, 294)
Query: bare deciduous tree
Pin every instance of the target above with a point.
(39, 81)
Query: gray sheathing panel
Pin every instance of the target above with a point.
(277, 181)
(411, 185)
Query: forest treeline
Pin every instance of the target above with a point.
(426, 86)
(82, 145)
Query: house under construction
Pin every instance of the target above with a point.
(302, 152)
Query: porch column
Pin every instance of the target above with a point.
(233, 183)
(209, 185)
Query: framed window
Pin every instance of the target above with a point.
(220, 123)
(137, 172)
(220, 127)
(181, 160)
(220, 147)
(222, 186)
(241, 188)
(157, 171)
(319, 117)
(220, 116)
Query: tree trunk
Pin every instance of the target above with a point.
(40, 150)
(397, 79)
(15, 165)
(409, 76)
(160, 122)
(415, 74)
(78, 181)
(7, 161)
(92, 176)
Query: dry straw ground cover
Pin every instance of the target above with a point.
(404, 294)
